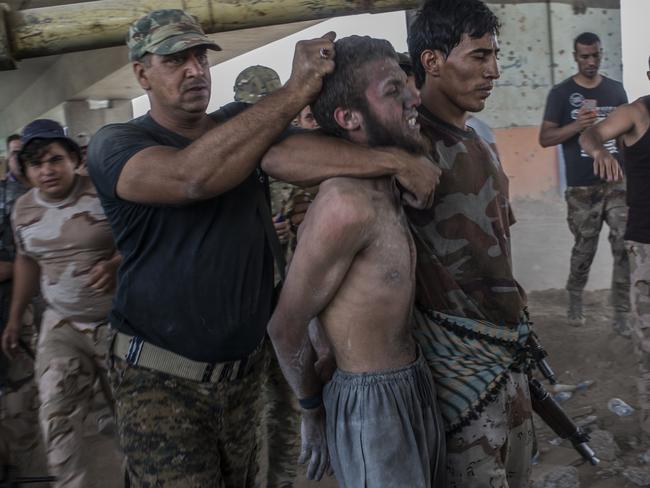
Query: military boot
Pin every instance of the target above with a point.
(575, 317)
(621, 325)
(620, 299)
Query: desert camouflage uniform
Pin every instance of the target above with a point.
(466, 289)
(587, 208)
(639, 255)
(67, 239)
(20, 441)
(19, 396)
(473, 455)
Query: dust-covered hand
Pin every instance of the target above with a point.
(606, 166)
(314, 443)
(312, 60)
(102, 276)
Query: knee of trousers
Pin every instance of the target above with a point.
(62, 383)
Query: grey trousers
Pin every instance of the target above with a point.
(384, 429)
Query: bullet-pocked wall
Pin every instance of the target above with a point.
(536, 53)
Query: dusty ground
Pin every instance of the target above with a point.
(593, 352)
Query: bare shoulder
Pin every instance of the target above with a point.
(343, 206)
(639, 108)
(348, 198)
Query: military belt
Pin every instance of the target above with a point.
(137, 352)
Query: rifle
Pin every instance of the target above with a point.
(10, 480)
(549, 410)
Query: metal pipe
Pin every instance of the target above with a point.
(93, 25)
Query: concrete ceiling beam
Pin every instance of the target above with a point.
(93, 25)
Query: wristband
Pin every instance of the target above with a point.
(311, 402)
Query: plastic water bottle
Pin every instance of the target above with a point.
(619, 407)
(562, 396)
(583, 385)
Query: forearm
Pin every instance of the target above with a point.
(25, 286)
(219, 160)
(592, 142)
(308, 159)
(552, 136)
(296, 356)
(226, 155)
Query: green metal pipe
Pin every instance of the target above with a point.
(93, 25)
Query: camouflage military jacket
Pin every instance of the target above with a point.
(66, 238)
(464, 261)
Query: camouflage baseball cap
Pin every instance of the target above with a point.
(255, 82)
(166, 31)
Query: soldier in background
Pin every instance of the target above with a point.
(251, 85)
(300, 198)
(281, 415)
(305, 119)
(19, 434)
(63, 241)
(572, 106)
(82, 139)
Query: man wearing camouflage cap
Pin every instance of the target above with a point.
(255, 82)
(281, 422)
(187, 204)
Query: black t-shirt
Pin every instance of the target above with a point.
(562, 107)
(196, 279)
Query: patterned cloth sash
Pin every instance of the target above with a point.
(469, 360)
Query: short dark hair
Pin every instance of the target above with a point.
(440, 24)
(586, 39)
(11, 138)
(37, 147)
(345, 87)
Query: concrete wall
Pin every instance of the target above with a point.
(536, 53)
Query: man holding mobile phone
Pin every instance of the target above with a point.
(572, 106)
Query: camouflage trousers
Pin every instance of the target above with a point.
(180, 433)
(282, 420)
(69, 360)
(640, 294)
(20, 440)
(587, 208)
(495, 450)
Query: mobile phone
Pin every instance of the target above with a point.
(589, 104)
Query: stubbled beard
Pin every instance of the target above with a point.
(380, 135)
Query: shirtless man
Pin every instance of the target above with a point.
(354, 268)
